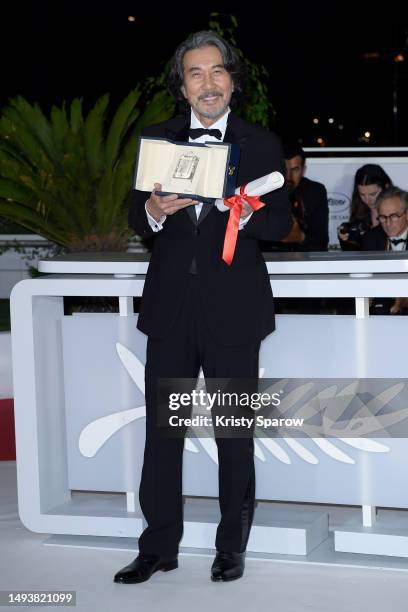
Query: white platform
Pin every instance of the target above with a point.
(275, 531)
(47, 503)
(337, 262)
(388, 536)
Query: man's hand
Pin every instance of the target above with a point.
(342, 235)
(157, 206)
(246, 209)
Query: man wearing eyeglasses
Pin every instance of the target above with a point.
(390, 235)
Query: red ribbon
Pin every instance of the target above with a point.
(231, 234)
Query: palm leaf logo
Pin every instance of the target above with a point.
(367, 420)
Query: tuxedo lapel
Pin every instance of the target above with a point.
(191, 211)
(234, 133)
(180, 135)
(205, 209)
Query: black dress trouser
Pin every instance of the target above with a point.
(180, 354)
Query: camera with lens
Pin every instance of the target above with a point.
(354, 230)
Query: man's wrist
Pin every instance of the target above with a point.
(154, 215)
(155, 224)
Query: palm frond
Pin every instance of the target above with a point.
(31, 220)
(121, 122)
(59, 126)
(94, 136)
(160, 109)
(68, 177)
(77, 119)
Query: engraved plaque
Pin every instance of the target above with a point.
(186, 166)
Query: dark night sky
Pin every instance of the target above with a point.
(59, 50)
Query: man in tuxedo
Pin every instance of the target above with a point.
(310, 208)
(197, 310)
(390, 235)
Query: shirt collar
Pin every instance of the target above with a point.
(220, 124)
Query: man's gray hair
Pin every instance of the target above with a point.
(393, 192)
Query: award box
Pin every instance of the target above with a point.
(201, 171)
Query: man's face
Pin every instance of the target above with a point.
(207, 84)
(393, 217)
(294, 171)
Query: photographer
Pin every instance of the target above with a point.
(369, 181)
(310, 208)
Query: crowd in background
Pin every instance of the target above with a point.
(378, 222)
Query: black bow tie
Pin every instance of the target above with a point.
(396, 240)
(196, 133)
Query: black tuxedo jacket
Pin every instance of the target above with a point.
(237, 299)
(313, 196)
(375, 240)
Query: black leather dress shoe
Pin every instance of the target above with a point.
(143, 567)
(227, 566)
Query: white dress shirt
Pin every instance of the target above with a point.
(402, 245)
(221, 125)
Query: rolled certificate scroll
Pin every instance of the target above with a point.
(250, 194)
(258, 187)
